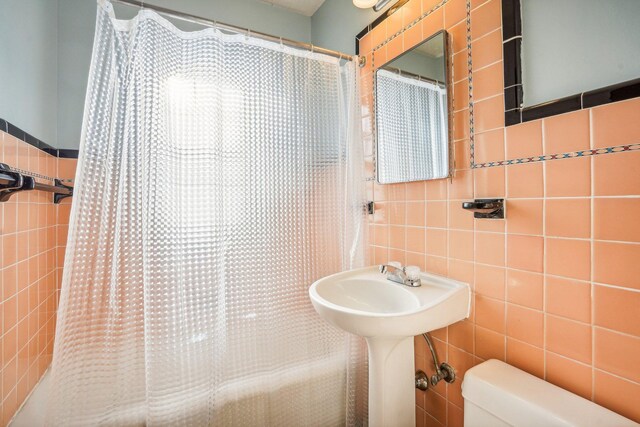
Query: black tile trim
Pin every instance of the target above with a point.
(614, 93)
(511, 19)
(15, 131)
(65, 153)
(511, 49)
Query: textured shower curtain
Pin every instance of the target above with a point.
(219, 176)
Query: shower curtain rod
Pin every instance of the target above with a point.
(211, 23)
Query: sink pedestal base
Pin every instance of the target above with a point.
(392, 396)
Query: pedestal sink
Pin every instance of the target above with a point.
(388, 315)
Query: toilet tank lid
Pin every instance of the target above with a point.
(519, 398)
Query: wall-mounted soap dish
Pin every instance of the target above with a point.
(486, 208)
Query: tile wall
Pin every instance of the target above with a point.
(32, 241)
(557, 284)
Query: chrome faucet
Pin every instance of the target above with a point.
(408, 276)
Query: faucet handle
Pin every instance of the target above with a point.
(412, 271)
(396, 264)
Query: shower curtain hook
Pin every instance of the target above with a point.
(312, 47)
(281, 43)
(248, 35)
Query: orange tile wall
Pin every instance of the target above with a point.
(32, 240)
(557, 284)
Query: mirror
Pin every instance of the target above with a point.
(412, 132)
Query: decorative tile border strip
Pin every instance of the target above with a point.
(15, 131)
(472, 138)
(570, 155)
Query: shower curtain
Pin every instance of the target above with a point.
(219, 176)
(412, 121)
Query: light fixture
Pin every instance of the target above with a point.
(364, 4)
(380, 4)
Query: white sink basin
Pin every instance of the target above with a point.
(365, 303)
(388, 315)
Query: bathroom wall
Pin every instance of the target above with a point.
(32, 241)
(556, 285)
(28, 66)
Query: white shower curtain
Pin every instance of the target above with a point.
(219, 176)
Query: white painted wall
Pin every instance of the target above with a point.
(573, 46)
(28, 66)
(337, 22)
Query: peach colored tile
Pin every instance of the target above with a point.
(396, 212)
(485, 19)
(524, 140)
(410, 12)
(616, 174)
(489, 344)
(568, 218)
(436, 265)
(616, 264)
(617, 219)
(415, 190)
(525, 180)
(398, 254)
(568, 338)
(457, 35)
(566, 133)
(378, 34)
(395, 47)
(461, 95)
(436, 242)
(488, 82)
(487, 50)
(461, 245)
(415, 212)
(616, 309)
(489, 182)
(490, 248)
(617, 353)
(525, 252)
(495, 225)
(489, 113)
(436, 214)
(568, 374)
(462, 185)
(417, 259)
(568, 177)
(617, 394)
(616, 123)
(526, 357)
(489, 146)
(396, 237)
(454, 12)
(461, 335)
(490, 281)
(460, 69)
(365, 44)
(459, 219)
(435, 406)
(525, 324)
(490, 313)
(396, 192)
(455, 417)
(462, 271)
(415, 239)
(380, 214)
(568, 298)
(461, 125)
(463, 361)
(524, 216)
(380, 236)
(461, 156)
(568, 258)
(436, 189)
(525, 288)
(434, 22)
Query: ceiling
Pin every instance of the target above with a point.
(304, 7)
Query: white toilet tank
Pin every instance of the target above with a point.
(496, 394)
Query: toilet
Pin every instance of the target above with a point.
(496, 394)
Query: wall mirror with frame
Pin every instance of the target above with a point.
(412, 114)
